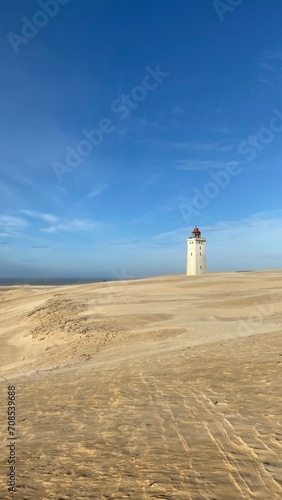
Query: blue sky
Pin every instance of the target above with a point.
(123, 124)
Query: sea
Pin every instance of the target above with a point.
(50, 281)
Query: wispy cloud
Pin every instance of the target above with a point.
(262, 226)
(94, 192)
(125, 242)
(133, 127)
(217, 129)
(150, 179)
(199, 146)
(11, 225)
(41, 216)
(176, 235)
(71, 226)
(14, 225)
(249, 233)
(270, 65)
(180, 208)
(198, 164)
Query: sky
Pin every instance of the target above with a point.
(126, 123)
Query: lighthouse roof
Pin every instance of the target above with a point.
(196, 232)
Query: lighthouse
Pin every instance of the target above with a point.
(196, 253)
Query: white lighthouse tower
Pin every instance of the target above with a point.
(196, 253)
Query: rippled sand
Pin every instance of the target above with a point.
(167, 388)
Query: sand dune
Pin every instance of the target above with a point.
(166, 387)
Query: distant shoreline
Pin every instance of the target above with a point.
(50, 281)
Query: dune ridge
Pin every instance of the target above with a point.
(165, 387)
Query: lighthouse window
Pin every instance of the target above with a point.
(191, 254)
(200, 248)
(200, 253)
(200, 267)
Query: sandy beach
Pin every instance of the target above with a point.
(161, 388)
